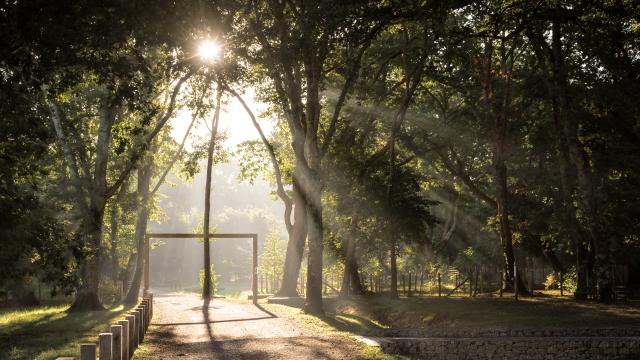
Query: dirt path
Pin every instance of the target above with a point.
(226, 329)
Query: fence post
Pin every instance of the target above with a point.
(532, 282)
(409, 293)
(147, 304)
(132, 333)
(136, 327)
(125, 339)
(116, 346)
(439, 284)
(105, 339)
(561, 284)
(140, 322)
(515, 280)
(88, 351)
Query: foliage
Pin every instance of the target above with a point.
(272, 256)
(214, 279)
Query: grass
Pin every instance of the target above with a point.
(483, 312)
(49, 332)
(365, 315)
(333, 324)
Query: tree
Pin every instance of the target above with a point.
(294, 45)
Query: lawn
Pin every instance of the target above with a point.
(49, 332)
(362, 315)
(487, 311)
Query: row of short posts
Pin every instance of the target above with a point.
(123, 337)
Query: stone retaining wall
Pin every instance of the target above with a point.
(513, 343)
(450, 332)
(524, 348)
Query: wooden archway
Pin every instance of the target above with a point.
(254, 237)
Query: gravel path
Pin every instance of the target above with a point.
(184, 327)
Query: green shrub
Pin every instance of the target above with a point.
(214, 279)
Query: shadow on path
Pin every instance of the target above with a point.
(186, 325)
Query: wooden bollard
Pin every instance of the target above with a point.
(140, 324)
(105, 340)
(88, 351)
(132, 334)
(148, 303)
(116, 342)
(136, 332)
(125, 339)
(145, 312)
(439, 284)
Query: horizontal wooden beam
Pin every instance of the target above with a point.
(199, 236)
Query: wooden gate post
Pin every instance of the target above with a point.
(254, 278)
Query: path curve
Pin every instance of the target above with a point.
(183, 326)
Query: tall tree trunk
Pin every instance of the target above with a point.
(144, 178)
(127, 271)
(87, 295)
(206, 289)
(114, 242)
(551, 59)
(313, 303)
(391, 228)
(351, 283)
(506, 235)
(568, 209)
(298, 230)
(413, 77)
(601, 246)
(295, 246)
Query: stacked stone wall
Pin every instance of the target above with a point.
(526, 344)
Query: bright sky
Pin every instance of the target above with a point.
(233, 119)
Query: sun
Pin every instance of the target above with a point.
(209, 50)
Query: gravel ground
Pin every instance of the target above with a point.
(183, 326)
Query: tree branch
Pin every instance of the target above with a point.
(175, 158)
(141, 147)
(355, 68)
(288, 203)
(56, 117)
